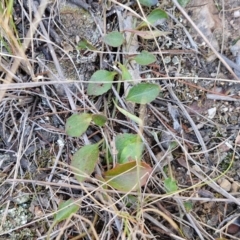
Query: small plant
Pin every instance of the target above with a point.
(183, 3)
(65, 211)
(131, 172)
(148, 3)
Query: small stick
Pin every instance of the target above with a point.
(194, 127)
(205, 39)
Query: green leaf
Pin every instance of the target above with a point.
(84, 161)
(131, 152)
(183, 3)
(145, 58)
(99, 119)
(84, 44)
(114, 39)
(129, 147)
(128, 176)
(170, 185)
(125, 73)
(173, 145)
(77, 124)
(148, 3)
(101, 82)
(155, 17)
(188, 206)
(66, 209)
(129, 115)
(122, 140)
(130, 200)
(143, 93)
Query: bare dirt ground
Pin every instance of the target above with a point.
(190, 132)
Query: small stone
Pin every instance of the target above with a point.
(167, 59)
(225, 109)
(213, 74)
(212, 112)
(236, 14)
(226, 185)
(234, 187)
(175, 60)
(22, 199)
(219, 181)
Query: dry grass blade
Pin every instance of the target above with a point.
(198, 135)
(205, 39)
(20, 50)
(164, 130)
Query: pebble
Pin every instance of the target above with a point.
(226, 185)
(212, 112)
(236, 14)
(234, 187)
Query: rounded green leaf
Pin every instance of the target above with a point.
(122, 140)
(131, 152)
(156, 16)
(65, 210)
(148, 3)
(101, 82)
(183, 3)
(145, 58)
(114, 39)
(170, 185)
(77, 124)
(128, 176)
(99, 119)
(84, 161)
(143, 93)
(84, 44)
(129, 147)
